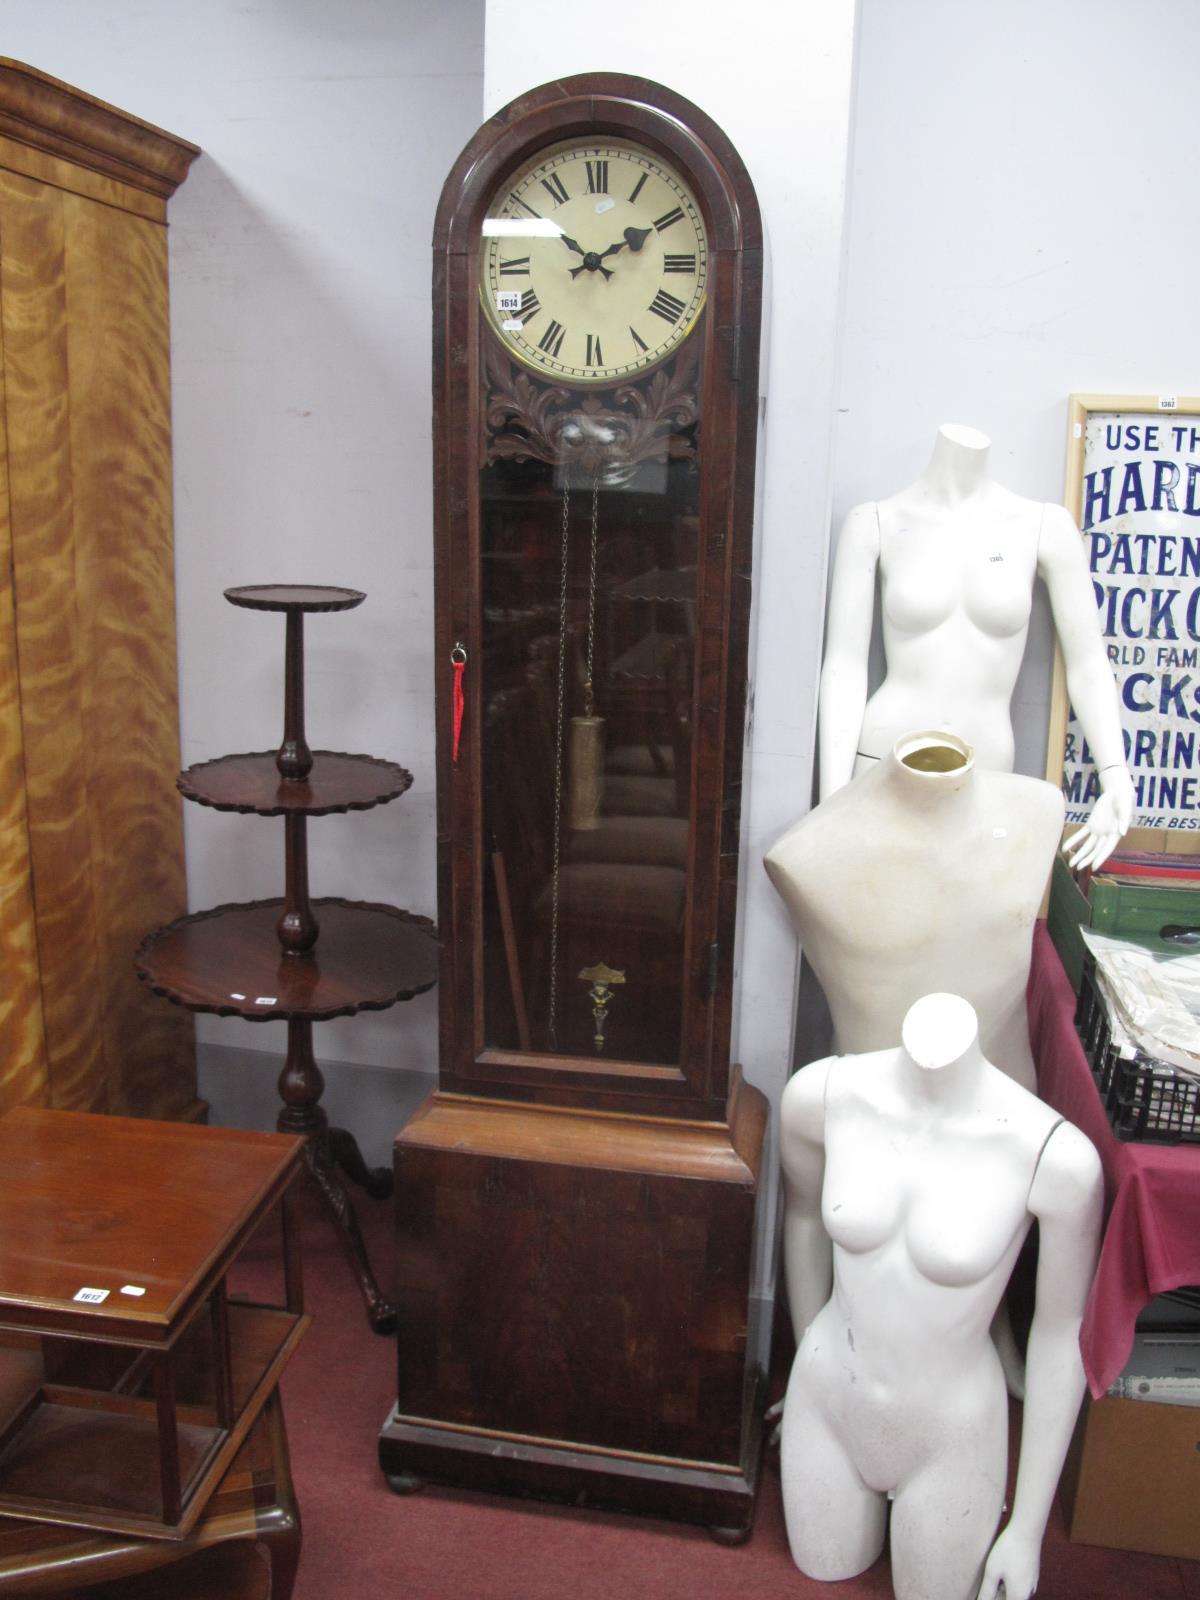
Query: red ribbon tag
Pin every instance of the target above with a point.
(459, 669)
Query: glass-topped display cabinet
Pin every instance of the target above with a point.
(597, 282)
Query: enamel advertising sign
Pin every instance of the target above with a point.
(1136, 472)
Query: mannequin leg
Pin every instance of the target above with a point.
(835, 1524)
(944, 1519)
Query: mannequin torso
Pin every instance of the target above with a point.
(957, 556)
(925, 1167)
(952, 593)
(910, 880)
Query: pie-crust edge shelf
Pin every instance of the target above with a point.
(251, 784)
(227, 961)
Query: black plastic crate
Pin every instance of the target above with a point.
(1147, 1104)
(1145, 1099)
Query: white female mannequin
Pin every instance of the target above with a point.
(923, 874)
(957, 557)
(926, 1167)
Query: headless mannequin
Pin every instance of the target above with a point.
(923, 874)
(926, 1166)
(957, 557)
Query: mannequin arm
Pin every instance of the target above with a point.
(847, 645)
(1111, 816)
(1063, 566)
(1067, 1199)
(807, 1251)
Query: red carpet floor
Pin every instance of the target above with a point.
(362, 1542)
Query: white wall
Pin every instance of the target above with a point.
(1023, 225)
(300, 272)
(778, 80)
(301, 284)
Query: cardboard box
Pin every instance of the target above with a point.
(1132, 1477)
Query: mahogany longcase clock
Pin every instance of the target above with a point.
(577, 1202)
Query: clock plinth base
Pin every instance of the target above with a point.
(574, 1301)
(678, 1491)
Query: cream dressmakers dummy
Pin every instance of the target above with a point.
(923, 874)
(925, 1166)
(957, 556)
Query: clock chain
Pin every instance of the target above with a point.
(589, 696)
(594, 723)
(552, 1021)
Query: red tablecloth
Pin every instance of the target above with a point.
(1152, 1235)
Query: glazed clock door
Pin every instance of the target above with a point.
(596, 410)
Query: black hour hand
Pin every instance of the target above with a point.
(635, 238)
(591, 261)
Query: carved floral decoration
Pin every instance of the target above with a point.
(605, 436)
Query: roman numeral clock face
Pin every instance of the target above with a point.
(593, 262)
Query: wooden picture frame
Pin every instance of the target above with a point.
(1133, 470)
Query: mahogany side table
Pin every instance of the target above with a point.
(115, 1238)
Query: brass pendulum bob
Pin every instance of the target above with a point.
(603, 980)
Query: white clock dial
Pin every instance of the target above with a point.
(594, 261)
